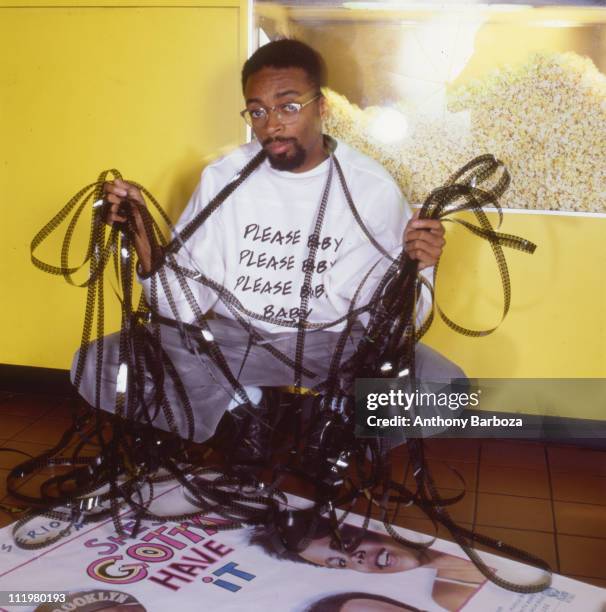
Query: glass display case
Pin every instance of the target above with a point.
(426, 86)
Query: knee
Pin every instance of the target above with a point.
(433, 366)
(88, 368)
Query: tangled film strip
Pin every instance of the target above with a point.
(317, 446)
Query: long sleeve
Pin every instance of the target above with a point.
(202, 253)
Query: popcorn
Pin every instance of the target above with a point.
(431, 151)
(545, 119)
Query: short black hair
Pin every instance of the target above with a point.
(267, 538)
(286, 53)
(303, 526)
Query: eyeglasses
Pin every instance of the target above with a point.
(288, 112)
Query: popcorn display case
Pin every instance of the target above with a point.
(423, 87)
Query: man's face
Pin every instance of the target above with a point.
(376, 553)
(296, 146)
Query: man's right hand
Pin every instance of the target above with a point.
(117, 193)
(121, 194)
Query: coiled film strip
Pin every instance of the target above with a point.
(322, 452)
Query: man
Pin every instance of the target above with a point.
(304, 236)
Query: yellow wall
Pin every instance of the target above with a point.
(151, 91)
(555, 328)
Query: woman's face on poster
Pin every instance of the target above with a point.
(375, 553)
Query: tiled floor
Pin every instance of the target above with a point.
(544, 498)
(547, 499)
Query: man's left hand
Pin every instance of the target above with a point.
(424, 240)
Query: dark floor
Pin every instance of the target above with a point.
(549, 499)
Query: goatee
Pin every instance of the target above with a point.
(283, 161)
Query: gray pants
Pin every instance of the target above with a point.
(209, 392)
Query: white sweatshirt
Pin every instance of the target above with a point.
(256, 243)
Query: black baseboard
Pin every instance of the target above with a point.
(28, 379)
(588, 433)
(50, 381)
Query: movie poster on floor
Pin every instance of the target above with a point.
(189, 566)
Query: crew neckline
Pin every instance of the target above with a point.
(321, 168)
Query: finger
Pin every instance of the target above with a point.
(112, 189)
(407, 230)
(423, 252)
(423, 261)
(118, 207)
(424, 237)
(134, 194)
(415, 227)
(437, 231)
(434, 242)
(117, 187)
(115, 212)
(113, 199)
(430, 224)
(116, 218)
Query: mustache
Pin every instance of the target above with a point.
(271, 139)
